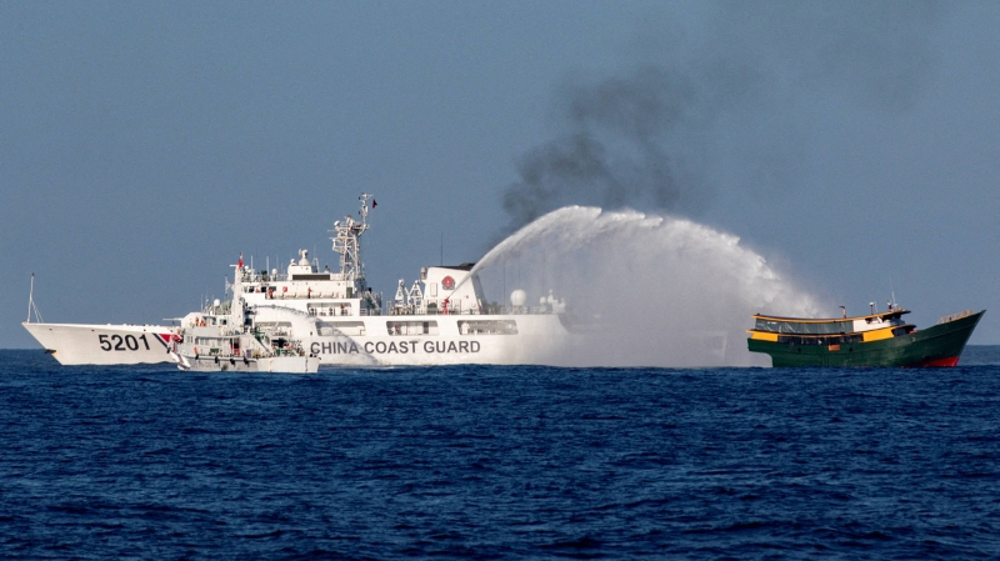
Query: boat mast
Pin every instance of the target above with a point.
(347, 242)
(236, 312)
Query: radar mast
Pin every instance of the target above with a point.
(347, 242)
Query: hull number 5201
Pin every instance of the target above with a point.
(119, 343)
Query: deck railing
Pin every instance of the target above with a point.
(955, 316)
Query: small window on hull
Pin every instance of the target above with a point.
(411, 327)
(488, 327)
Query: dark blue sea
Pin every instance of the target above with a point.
(500, 463)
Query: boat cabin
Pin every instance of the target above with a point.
(804, 331)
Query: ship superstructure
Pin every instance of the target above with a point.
(442, 318)
(224, 337)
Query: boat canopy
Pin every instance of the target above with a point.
(779, 326)
(806, 326)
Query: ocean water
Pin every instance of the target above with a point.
(500, 463)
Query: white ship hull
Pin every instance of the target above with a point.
(288, 364)
(538, 339)
(73, 344)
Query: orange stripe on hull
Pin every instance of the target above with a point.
(937, 363)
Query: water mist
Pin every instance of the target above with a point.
(644, 290)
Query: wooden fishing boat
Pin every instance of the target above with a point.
(877, 339)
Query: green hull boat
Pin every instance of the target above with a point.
(880, 339)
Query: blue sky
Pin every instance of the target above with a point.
(856, 145)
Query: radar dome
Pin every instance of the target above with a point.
(518, 298)
(216, 303)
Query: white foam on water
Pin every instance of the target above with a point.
(655, 290)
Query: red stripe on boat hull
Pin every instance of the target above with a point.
(937, 363)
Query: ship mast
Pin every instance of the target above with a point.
(347, 242)
(31, 303)
(236, 311)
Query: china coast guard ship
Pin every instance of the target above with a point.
(225, 337)
(443, 318)
(80, 343)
